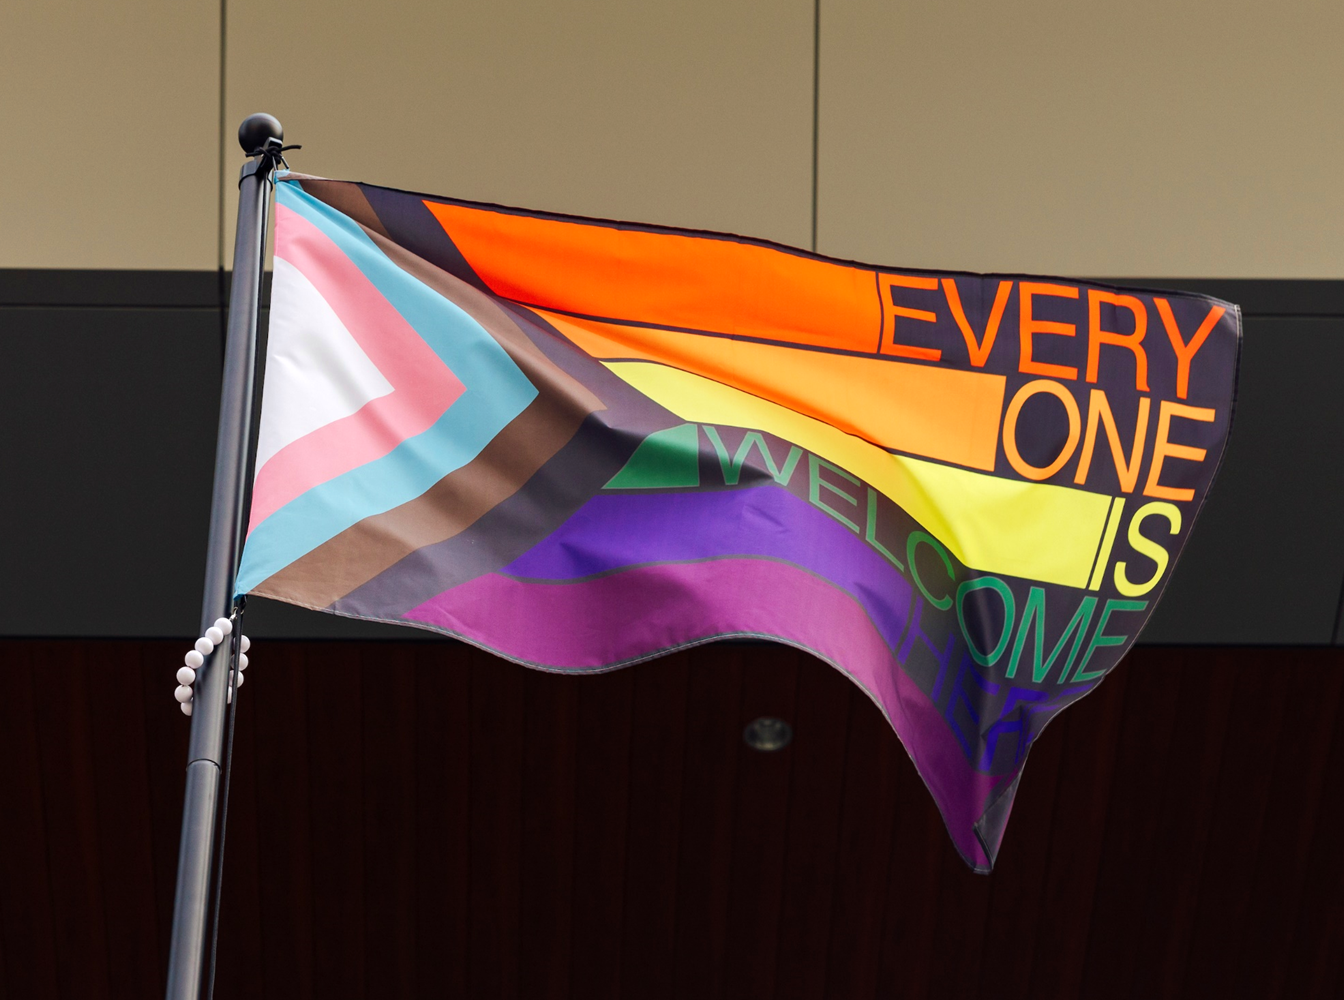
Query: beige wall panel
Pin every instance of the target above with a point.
(1151, 138)
(111, 149)
(696, 113)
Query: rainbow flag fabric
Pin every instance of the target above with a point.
(580, 444)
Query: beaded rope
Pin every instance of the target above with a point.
(195, 659)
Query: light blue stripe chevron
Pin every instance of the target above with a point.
(495, 392)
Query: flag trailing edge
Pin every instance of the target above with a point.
(580, 444)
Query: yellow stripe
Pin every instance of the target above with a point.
(936, 412)
(1032, 530)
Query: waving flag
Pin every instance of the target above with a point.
(580, 444)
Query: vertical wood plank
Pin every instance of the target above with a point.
(1131, 836)
(387, 684)
(907, 965)
(1077, 837)
(601, 803)
(26, 919)
(496, 825)
(66, 754)
(657, 747)
(1223, 918)
(336, 830)
(959, 915)
(1315, 966)
(1190, 785)
(550, 720)
(443, 752)
(705, 856)
(240, 967)
(1283, 866)
(867, 818)
(811, 853)
(121, 790)
(284, 802)
(1018, 884)
(760, 823)
(166, 734)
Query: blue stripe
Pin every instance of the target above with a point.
(495, 392)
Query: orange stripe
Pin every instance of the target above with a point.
(936, 412)
(668, 279)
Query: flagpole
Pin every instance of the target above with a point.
(261, 138)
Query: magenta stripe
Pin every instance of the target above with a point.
(641, 612)
(423, 388)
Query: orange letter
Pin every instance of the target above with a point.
(1185, 353)
(1015, 458)
(890, 310)
(1028, 325)
(1099, 408)
(1096, 336)
(1163, 449)
(978, 350)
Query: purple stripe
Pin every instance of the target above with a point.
(617, 530)
(643, 612)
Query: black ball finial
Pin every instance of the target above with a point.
(256, 129)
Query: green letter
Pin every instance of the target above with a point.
(870, 536)
(1009, 612)
(1105, 640)
(1036, 609)
(912, 543)
(732, 468)
(815, 483)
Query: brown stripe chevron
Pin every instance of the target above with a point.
(345, 197)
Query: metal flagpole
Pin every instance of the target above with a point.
(261, 138)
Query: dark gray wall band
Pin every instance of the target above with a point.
(109, 389)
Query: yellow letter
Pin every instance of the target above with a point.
(1148, 548)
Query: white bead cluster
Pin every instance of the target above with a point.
(195, 659)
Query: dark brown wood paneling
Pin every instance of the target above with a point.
(241, 907)
(26, 919)
(747, 955)
(1315, 964)
(336, 822)
(125, 858)
(412, 819)
(390, 846)
(1302, 784)
(601, 810)
(658, 723)
(285, 870)
(442, 859)
(550, 712)
(811, 847)
(705, 868)
(1019, 908)
(69, 805)
(496, 804)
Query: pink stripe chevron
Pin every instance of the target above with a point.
(423, 387)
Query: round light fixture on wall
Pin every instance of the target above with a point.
(767, 734)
